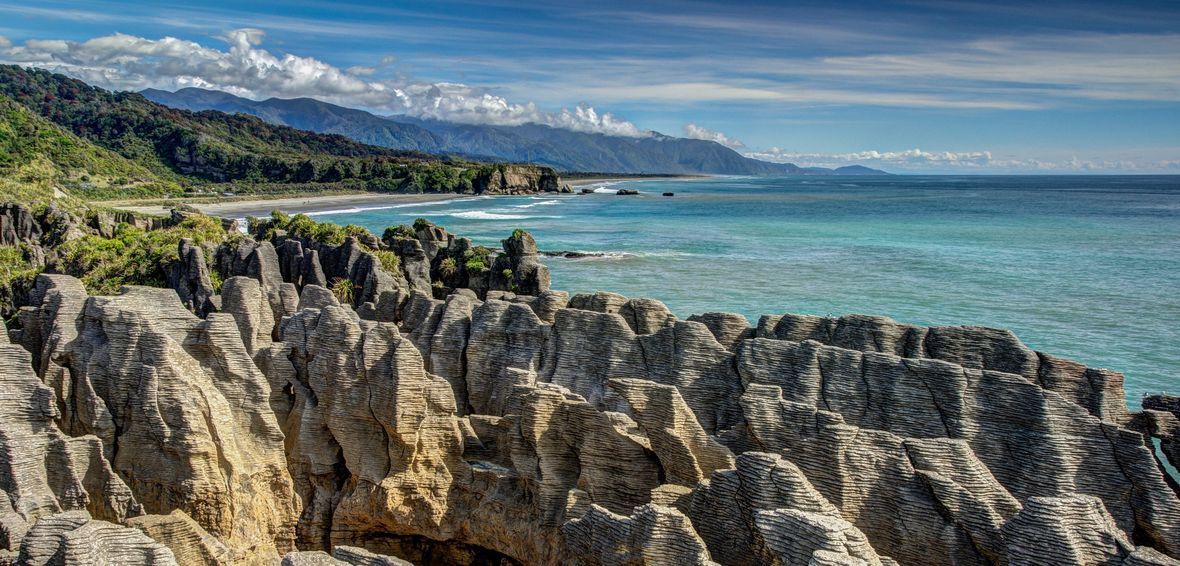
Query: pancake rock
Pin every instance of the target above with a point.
(1099, 391)
(509, 423)
(180, 407)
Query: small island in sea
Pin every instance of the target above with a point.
(365, 320)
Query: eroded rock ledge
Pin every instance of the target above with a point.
(497, 421)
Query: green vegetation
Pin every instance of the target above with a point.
(358, 232)
(422, 224)
(401, 231)
(15, 264)
(518, 233)
(150, 150)
(303, 226)
(343, 290)
(447, 267)
(16, 278)
(37, 156)
(134, 256)
(476, 264)
(389, 260)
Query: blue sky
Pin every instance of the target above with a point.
(913, 86)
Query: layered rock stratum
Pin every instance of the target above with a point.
(488, 419)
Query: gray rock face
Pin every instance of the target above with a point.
(190, 278)
(1161, 418)
(1099, 391)
(1010, 424)
(730, 329)
(415, 263)
(519, 268)
(18, 225)
(518, 428)
(43, 471)
(74, 538)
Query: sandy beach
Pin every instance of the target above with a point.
(293, 205)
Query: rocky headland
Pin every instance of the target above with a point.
(415, 397)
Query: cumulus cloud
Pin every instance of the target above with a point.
(698, 133)
(244, 68)
(981, 161)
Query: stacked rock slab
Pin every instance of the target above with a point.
(42, 471)
(181, 408)
(1099, 391)
(1034, 441)
(519, 429)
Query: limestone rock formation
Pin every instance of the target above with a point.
(516, 179)
(190, 278)
(1099, 391)
(518, 269)
(18, 225)
(181, 409)
(509, 423)
(74, 538)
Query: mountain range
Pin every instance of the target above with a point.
(564, 150)
(61, 133)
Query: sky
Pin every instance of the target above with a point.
(935, 87)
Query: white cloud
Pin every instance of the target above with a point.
(126, 62)
(698, 133)
(918, 160)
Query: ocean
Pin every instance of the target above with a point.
(1085, 267)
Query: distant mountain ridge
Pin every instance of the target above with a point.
(61, 133)
(564, 150)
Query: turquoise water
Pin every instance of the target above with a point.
(1083, 267)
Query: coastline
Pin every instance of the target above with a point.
(583, 181)
(294, 205)
(244, 205)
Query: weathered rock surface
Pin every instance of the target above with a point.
(519, 269)
(74, 538)
(43, 471)
(181, 408)
(190, 278)
(508, 423)
(18, 225)
(1034, 441)
(516, 179)
(1099, 391)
